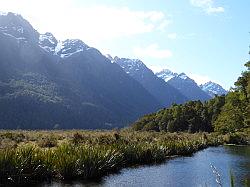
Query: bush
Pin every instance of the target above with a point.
(234, 138)
(77, 138)
(47, 142)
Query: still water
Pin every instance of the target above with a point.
(201, 169)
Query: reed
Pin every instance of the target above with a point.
(232, 180)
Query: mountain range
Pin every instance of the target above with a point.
(162, 91)
(189, 87)
(46, 83)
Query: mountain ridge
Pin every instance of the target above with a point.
(184, 84)
(47, 83)
(165, 93)
(213, 89)
(74, 86)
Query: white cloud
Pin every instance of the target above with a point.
(162, 26)
(93, 24)
(172, 36)
(215, 10)
(207, 6)
(152, 51)
(199, 79)
(155, 16)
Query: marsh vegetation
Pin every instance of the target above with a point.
(33, 156)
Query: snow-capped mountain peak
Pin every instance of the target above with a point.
(15, 27)
(184, 84)
(166, 74)
(48, 42)
(213, 88)
(183, 76)
(47, 37)
(69, 47)
(62, 49)
(129, 65)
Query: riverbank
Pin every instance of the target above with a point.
(199, 169)
(29, 157)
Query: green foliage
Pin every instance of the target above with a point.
(243, 82)
(234, 138)
(222, 114)
(235, 113)
(193, 116)
(231, 118)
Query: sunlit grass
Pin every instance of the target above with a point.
(32, 156)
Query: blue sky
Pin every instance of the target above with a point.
(206, 39)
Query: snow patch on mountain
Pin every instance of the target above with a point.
(166, 74)
(14, 26)
(47, 37)
(108, 56)
(10, 32)
(184, 84)
(58, 47)
(48, 42)
(69, 47)
(210, 88)
(17, 38)
(13, 31)
(183, 76)
(129, 65)
(62, 49)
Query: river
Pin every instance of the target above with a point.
(209, 167)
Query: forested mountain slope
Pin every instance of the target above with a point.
(45, 83)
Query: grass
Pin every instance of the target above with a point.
(28, 157)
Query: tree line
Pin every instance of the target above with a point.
(226, 113)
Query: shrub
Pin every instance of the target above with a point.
(47, 142)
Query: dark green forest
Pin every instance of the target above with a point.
(226, 113)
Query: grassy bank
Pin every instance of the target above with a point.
(32, 156)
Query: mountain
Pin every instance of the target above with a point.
(166, 74)
(46, 83)
(165, 93)
(187, 86)
(213, 89)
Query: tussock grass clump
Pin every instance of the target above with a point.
(85, 161)
(23, 165)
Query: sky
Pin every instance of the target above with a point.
(206, 39)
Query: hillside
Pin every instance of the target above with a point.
(45, 83)
(162, 91)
